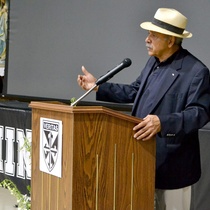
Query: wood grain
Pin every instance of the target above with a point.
(103, 166)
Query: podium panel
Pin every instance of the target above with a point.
(103, 166)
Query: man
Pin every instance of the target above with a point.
(172, 96)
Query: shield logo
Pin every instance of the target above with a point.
(50, 148)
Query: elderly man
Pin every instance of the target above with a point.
(172, 96)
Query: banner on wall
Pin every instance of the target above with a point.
(15, 127)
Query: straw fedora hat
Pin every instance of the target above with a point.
(168, 21)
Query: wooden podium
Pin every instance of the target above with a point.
(103, 166)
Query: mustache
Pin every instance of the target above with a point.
(148, 46)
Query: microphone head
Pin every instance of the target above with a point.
(127, 62)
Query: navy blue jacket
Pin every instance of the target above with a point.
(182, 102)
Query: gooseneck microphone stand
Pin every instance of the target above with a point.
(81, 97)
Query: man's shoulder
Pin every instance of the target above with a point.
(190, 59)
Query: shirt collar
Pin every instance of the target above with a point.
(168, 60)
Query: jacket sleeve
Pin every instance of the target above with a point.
(118, 93)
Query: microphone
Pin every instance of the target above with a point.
(124, 64)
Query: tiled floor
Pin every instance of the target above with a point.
(7, 201)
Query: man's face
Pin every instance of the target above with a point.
(157, 44)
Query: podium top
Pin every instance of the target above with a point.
(59, 107)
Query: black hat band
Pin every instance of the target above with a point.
(167, 26)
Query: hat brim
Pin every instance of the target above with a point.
(151, 27)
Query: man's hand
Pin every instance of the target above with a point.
(86, 81)
(148, 128)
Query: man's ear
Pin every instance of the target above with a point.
(171, 41)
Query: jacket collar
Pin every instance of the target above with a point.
(169, 76)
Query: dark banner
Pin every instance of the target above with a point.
(15, 129)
